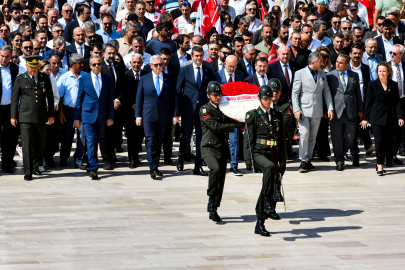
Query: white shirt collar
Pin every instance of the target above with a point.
(94, 75)
(386, 40)
(195, 66)
(227, 75)
(260, 76)
(355, 68)
(271, 107)
(160, 75)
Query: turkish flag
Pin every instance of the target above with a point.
(211, 17)
(272, 54)
(264, 12)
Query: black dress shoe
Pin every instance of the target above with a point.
(93, 175)
(397, 161)
(169, 162)
(339, 168)
(260, 229)
(273, 215)
(356, 160)
(36, 172)
(347, 158)
(159, 173)
(63, 163)
(324, 158)
(211, 207)
(215, 217)
(180, 164)
(81, 167)
(138, 162)
(107, 165)
(200, 171)
(310, 167)
(303, 167)
(132, 164)
(7, 170)
(153, 174)
(27, 177)
(49, 163)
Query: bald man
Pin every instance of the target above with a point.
(78, 45)
(305, 42)
(226, 75)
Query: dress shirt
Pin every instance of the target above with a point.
(160, 80)
(127, 59)
(182, 59)
(315, 44)
(247, 66)
(326, 41)
(55, 91)
(65, 65)
(22, 61)
(137, 72)
(239, 6)
(288, 70)
(95, 77)
(107, 37)
(394, 75)
(165, 70)
(113, 68)
(78, 48)
(230, 11)
(68, 86)
(227, 76)
(267, 111)
(259, 77)
(358, 71)
(81, 24)
(196, 70)
(314, 74)
(388, 46)
(59, 74)
(63, 22)
(372, 63)
(220, 65)
(345, 78)
(7, 88)
(253, 26)
(14, 26)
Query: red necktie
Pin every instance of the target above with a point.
(230, 78)
(287, 77)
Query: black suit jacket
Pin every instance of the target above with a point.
(380, 45)
(275, 71)
(253, 79)
(120, 71)
(330, 33)
(242, 67)
(382, 107)
(174, 60)
(128, 96)
(301, 58)
(333, 54)
(68, 34)
(72, 48)
(97, 7)
(371, 34)
(215, 66)
(365, 72)
(172, 70)
(14, 73)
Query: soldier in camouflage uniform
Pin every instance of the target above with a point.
(264, 145)
(214, 146)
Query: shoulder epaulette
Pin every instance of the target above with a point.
(250, 115)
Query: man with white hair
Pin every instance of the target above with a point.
(246, 65)
(53, 16)
(251, 12)
(104, 10)
(67, 14)
(138, 46)
(131, 31)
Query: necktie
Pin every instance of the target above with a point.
(230, 78)
(249, 69)
(314, 75)
(79, 51)
(136, 80)
(267, 115)
(157, 85)
(264, 82)
(343, 81)
(33, 79)
(198, 77)
(287, 76)
(399, 80)
(97, 86)
(112, 74)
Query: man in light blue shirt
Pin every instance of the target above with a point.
(68, 86)
(56, 71)
(371, 58)
(224, 6)
(321, 32)
(106, 31)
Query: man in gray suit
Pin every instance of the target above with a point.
(309, 86)
(344, 86)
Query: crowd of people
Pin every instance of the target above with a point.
(339, 66)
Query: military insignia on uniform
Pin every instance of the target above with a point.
(207, 116)
(247, 116)
(25, 76)
(260, 112)
(204, 110)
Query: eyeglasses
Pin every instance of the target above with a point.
(91, 37)
(158, 65)
(96, 65)
(312, 20)
(358, 36)
(250, 9)
(28, 47)
(150, 2)
(227, 53)
(337, 22)
(393, 53)
(345, 28)
(68, 11)
(3, 30)
(59, 31)
(38, 13)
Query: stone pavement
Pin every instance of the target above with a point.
(126, 220)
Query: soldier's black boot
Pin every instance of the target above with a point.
(215, 217)
(273, 215)
(268, 206)
(260, 229)
(278, 197)
(211, 206)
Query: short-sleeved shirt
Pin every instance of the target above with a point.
(68, 86)
(287, 4)
(385, 5)
(230, 11)
(239, 6)
(155, 45)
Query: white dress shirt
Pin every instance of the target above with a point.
(358, 71)
(395, 74)
(388, 46)
(160, 80)
(93, 78)
(227, 75)
(182, 59)
(220, 65)
(78, 47)
(259, 77)
(268, 111)
(288, 70)
(196, 70)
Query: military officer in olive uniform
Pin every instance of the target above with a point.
(32, 92)
(286, 110)
(264, 147)
(214, 146)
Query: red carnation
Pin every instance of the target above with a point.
(239, 88)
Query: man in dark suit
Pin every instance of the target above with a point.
(30, 107)
(336, 24)
(344, 86)
(181, 56)
(246, 64)
(219, 64)
(83, 15)
(337, 47)
(135, 134)
(96, 7)
(111, 136)
(191, 90)
(9, 72)
(259, 77)
(399, 32)
(383, 41)
(378, 31)
(283, 70)
(297, 54)
(156, 107)
(227, 75)
(59, 46)
(95, 108)
(78, 45)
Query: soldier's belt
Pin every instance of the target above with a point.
(266, 142)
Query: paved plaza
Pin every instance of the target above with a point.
(126, 220)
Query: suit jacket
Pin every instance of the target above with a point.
(90, 107)
(171, 71)
(330, 33)
(154, 108)
(14, 72)
(253, 79)
(333, 54)
(371, 34)
(349, 98)
(72, 47)
(365, 73)
(97, 7)
(119, 71)
(382, 107)
(128, 97)
(174, 60)
(380, 45)
(68, 34)
(307, 94)
(275, 70)
(45, 55)
(188, 91)
(220, 77)
(215, 65)
(242, 67)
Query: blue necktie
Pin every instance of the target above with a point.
(315, 76)
(198, 77)
(249, 69)
(157, 85)
(97, 86)
(264, 82)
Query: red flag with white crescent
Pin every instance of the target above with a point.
(211, 17)
(264, 12)
(272, 53)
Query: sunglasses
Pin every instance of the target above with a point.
(186, 3)
(393, 53)
(59, 31)
(358, 36)
(158, 65)
(379, 24)
(150, 2)
(96, 65)
(312, 20)
(107, 23)
(4, 30)
(250, 9)
(28, 47)
(68, 11)
(38, 13)
(91, 37)
(227, 53)
(337, 22)
(345, 28)
(14, 57)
